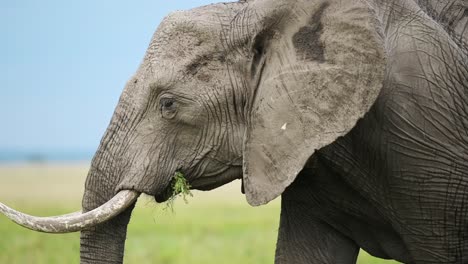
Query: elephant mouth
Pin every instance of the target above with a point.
(164, 195)
(204, 183)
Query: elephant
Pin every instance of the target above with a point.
(354, 112)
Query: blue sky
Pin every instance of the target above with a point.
(63, 65)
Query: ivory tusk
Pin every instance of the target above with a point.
(75, 221)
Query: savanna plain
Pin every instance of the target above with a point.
(213, 227)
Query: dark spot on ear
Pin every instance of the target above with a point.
(307, 40)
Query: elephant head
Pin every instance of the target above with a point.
(246, 90)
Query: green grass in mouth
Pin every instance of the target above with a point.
(180, 187)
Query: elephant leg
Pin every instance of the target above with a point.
(304, 238)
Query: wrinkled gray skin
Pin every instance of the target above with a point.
(356, 112)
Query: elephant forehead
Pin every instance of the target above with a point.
(187, 40)
(184, 34)
(187, 62)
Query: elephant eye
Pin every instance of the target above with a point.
(168, 104)
(168, 107)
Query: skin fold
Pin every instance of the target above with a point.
(354, 112)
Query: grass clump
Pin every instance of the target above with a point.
(180, 187)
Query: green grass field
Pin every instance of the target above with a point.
(214, 227)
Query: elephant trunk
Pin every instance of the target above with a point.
(104, 243)
(110, 168)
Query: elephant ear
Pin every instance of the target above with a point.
(318, 68)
